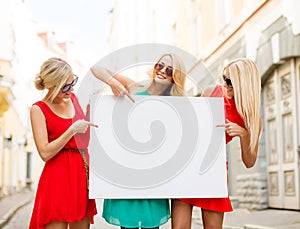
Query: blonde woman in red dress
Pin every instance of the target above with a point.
(60, 131)
(241, 93)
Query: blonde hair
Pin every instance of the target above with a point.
(54, 72)
(246, 82)
(179, 74)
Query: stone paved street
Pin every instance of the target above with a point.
(15, 212)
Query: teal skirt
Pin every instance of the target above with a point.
(133, 213)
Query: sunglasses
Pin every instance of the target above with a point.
(169, 70)
(68, 86)
(227, 80)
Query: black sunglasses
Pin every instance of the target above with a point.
(227, 80)
(169, 70)
(68, 86)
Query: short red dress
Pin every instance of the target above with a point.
(62, 193)
(231, 113)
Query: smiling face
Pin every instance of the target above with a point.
(169, 71)
(163, 70)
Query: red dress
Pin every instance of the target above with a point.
(62, 193)
(231, 113)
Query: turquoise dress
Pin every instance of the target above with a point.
(133, 213)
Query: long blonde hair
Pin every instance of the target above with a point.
(179, 74)
(54, 72)
(246, 82)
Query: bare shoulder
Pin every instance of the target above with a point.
(36, 112)
(35, 108)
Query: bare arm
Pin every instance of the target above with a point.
(46, 149)
(118, 83)
(249, 158)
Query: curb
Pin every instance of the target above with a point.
(5, 218)
(253, 226)
(232, 227)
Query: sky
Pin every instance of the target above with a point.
(85, 22)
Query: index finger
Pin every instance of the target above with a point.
(92, 124)
(220, 125)
(129, 96)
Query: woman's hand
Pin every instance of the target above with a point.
(81, 126)
(234, 130)
(118, 83)
(118, 89)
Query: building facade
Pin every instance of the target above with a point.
(268, 33)
(25, 45)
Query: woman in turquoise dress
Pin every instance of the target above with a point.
(168, 79)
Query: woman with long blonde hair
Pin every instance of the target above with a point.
(241, 92)
(166, 79)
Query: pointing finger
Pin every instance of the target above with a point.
(92, 124)
(129, 96)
